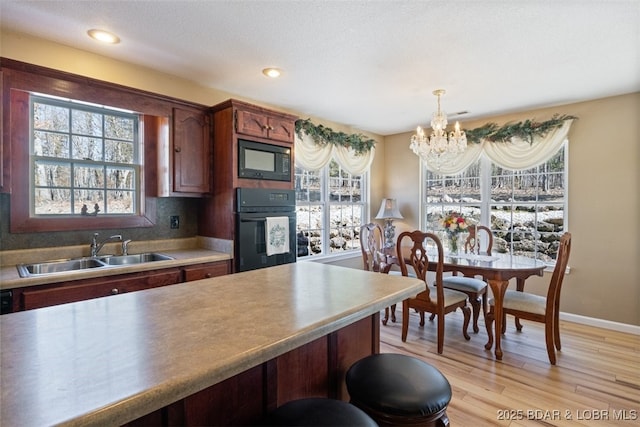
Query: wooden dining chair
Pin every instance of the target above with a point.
(537, 308)
(435, 298)
(371, 238)
(475, 289)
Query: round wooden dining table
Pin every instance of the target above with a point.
(497, 270)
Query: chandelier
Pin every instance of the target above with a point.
(439, 148)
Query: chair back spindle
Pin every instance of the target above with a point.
(474, 240)
(371, 245)
(419, 261)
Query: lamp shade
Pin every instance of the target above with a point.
(389, 209)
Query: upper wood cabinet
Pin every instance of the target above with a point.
(264, 124)
(234, 120)
(191, 149)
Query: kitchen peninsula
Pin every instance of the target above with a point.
(223, 351)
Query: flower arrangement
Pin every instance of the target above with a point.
(454, 223)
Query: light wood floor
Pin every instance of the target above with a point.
(595, 383)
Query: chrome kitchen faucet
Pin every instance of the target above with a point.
(95, 246)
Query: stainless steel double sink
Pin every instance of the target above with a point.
(75, 264)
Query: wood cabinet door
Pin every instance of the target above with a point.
(95, 288)
(252, 123)
(205, 271)
(265, 125)
(281, 129)
(191, 151)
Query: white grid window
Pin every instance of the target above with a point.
(84, 159)
(525, 209)
(330, 206)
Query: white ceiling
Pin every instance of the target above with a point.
(372, 64)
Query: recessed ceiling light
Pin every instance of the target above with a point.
(103, 36)
(272, 72)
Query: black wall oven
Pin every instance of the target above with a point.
(254, 207)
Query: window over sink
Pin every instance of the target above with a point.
(112, 159)
(85, 159)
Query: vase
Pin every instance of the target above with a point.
(453, 243)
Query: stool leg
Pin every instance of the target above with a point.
(443, 421)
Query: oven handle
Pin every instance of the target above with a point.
(253, 219)
(263, 219)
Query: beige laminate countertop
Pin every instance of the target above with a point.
(184, 252)
(110, 360)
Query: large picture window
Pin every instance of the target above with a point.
(525, 209)
(84, 159)
(330, 206)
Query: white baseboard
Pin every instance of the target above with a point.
(600, 323)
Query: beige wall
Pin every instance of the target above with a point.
(604, 281)
(48, 54)
(45, 53)
(603, 176)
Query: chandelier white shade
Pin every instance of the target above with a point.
(439, 148)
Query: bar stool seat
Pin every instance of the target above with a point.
(395, 389)
(317, 411)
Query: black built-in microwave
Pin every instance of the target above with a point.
(257, 160)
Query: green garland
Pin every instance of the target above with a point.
(323, 135)
(525, 130)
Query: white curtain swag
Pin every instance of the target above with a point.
(313, 157)
(515, 155)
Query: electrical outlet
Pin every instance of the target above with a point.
(174, 220)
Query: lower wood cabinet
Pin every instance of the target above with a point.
(40, 296)
(206, 271)
(80, 290)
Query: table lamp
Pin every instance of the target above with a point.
(389, 211)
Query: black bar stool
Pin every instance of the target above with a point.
(317, 411)
(395, 389)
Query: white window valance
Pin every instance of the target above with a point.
(515, 155)
(313, 157)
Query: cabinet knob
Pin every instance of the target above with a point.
(177, 149)
(115, 291)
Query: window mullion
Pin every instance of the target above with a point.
(326, 233)
(485, 191)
